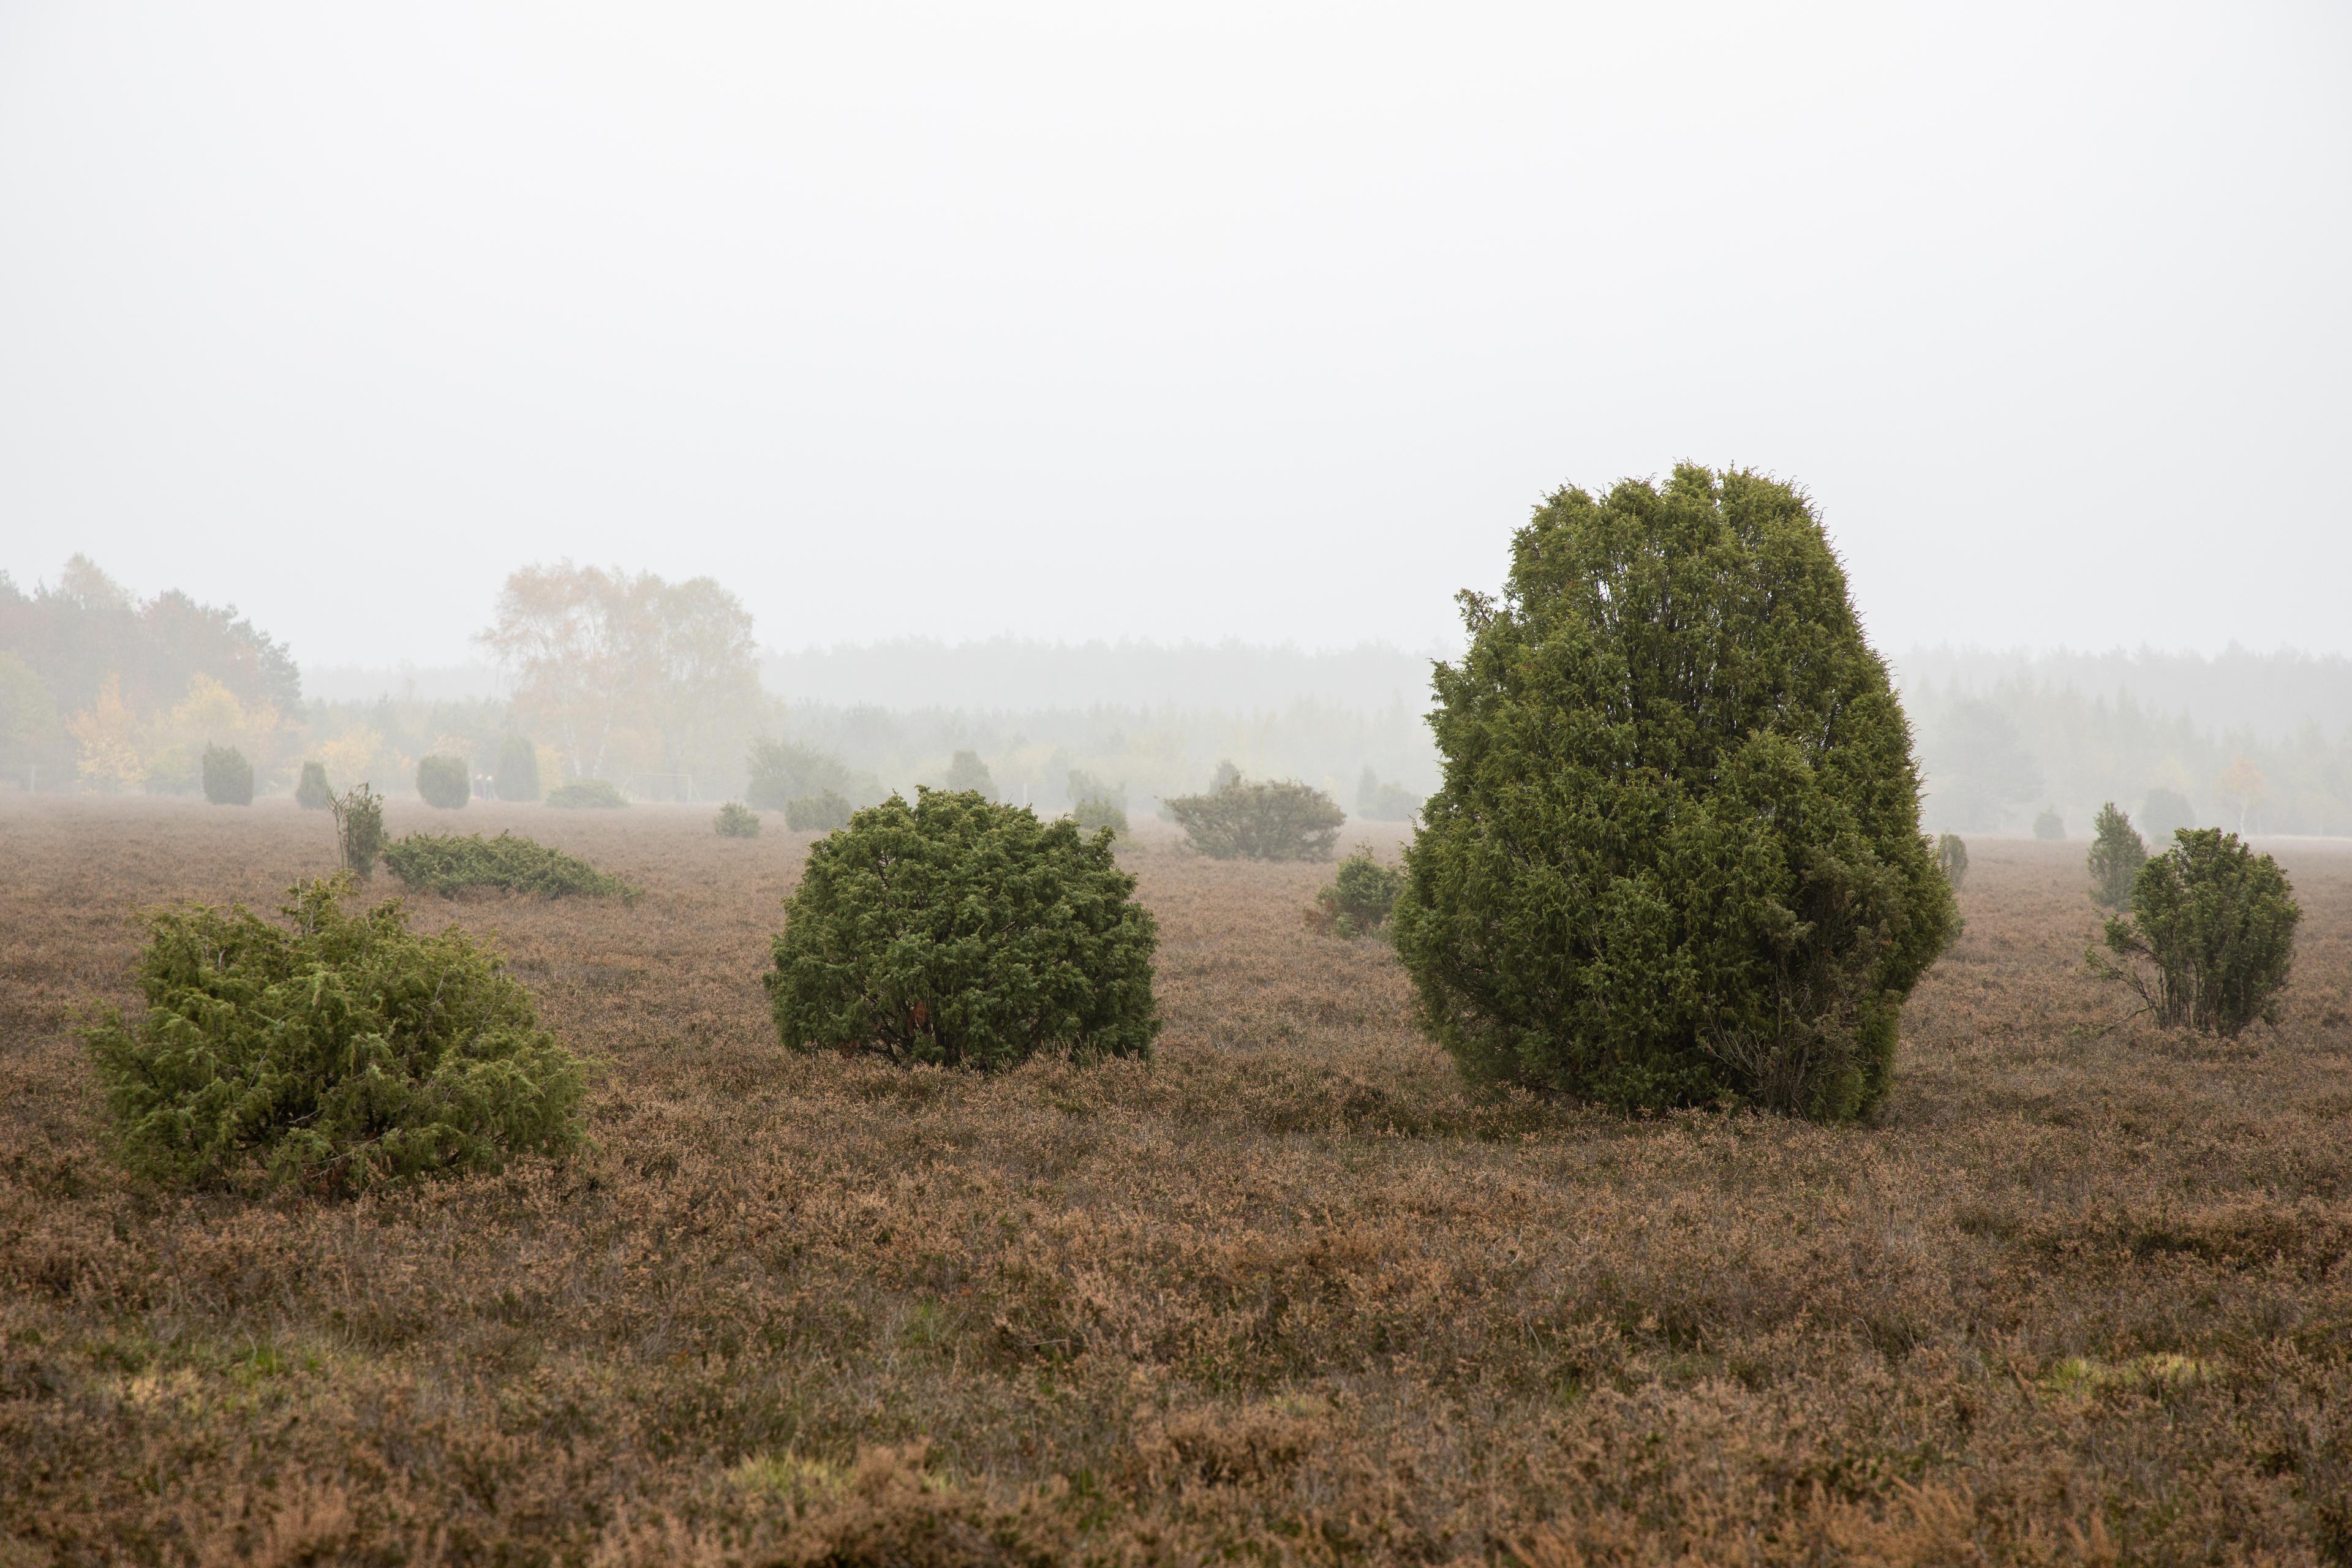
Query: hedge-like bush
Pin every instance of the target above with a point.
(517, 778)
(1676, 858)
(359, 829)
(1279, 820)
(228, 777)
(2164, 813)
(340, 1050)
(963, 932)
(734, 821)
(2116, 855)
(1360, 897)
(2050, 827)
(586, 795)
(817, 813)
(2211, 934)
(451, 862)
(314, 793)
(444, 782)
(1952, 859)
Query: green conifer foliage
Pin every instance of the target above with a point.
(339, 1050)
(963, 933)
(2211, 938)
(1677, 855)
(2117, 856)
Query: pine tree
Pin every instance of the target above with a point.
(2117, 856)
(1677, 856)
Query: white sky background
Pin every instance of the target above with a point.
(1186, 322)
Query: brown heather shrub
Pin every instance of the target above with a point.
(1289, 1294)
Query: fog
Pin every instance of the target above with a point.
(1175, 323)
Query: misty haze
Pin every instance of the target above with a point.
(926, 785)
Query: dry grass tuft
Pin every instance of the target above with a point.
(1290, 1293)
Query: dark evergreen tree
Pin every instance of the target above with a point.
(1677, 855)
(2212, 933)
(2117, 856)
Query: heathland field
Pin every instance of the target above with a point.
(1290, 1292)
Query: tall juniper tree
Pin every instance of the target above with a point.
(1677, 855)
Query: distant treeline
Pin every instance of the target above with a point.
(2259, 742)
(659, 689)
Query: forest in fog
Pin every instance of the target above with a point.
(661, 689)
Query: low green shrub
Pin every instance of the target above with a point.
(359, 829)
(339, 1051)
(1360, 897)
(451, 862)
(228, 777)
(817, 813)
(586, 795)
(517, 778)
(444, 782)
(1952, 859)
(2116, 855)
(2211, 934)
(2049, 826)
(735, 821)
(314, 793)
(961, 932)
(1278, 819)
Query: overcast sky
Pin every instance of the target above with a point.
(1177, 321)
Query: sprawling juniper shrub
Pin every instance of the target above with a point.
(449, 863)
(337, 1050)
(2211, 934)
(228, 776)
(314, 793)
(1677, 855)
(737, 821)
(1276, 819)
(961, 932)
(590, 793)
(444, 782)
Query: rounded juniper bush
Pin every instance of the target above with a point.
(443, 781)
(963, 932)
(1676, 858)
